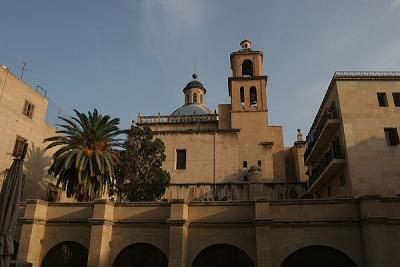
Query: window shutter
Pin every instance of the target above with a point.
(25, 111)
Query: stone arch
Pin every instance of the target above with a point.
(247, 67)
(141, 255)
(314, 256)
(221, 255)
(66, 254)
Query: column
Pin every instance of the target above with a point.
(262, 223)
(373, 232)
(178, 233)
(32, 233)
(101, 233)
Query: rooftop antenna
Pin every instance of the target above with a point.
(23, 69)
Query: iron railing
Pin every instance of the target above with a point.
(313, 136)
(335, 152)
(177, 119)
(366, 74)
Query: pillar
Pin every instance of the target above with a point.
(262, 223)
(178, 233)
(373, 232)
(32, 233)
(101, 233)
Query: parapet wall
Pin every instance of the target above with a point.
(235, 191)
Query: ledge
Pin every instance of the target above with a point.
(191, 131)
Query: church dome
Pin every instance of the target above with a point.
(194, 84)
(192, 109)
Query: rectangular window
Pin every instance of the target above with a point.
(28, 109)
(181, 159)
(392, 137)
(396, 99)
(19, 147)
(382, 99)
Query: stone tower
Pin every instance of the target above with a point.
(247, 86)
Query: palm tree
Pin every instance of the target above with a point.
(84, 162)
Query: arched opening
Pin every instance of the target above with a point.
(247, 68)
(244, 164)
(187, 99)
(141, 255)
(222, 255)
(201, 99)
(253, 96)
(194, 98)
(259, 163)
(242, 96)
(317, 256)
(66, 254)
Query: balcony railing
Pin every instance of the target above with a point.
(177, 119)
(313, 136)
(336, 152)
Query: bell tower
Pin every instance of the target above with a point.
(248, 84)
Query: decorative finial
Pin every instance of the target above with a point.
(299, 136)
(245, 44)
(194, 76)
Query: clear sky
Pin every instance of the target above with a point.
(128, 56)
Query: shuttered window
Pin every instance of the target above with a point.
(19, 147)
(392, 137)
(28, 109)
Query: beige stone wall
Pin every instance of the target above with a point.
(269, 230)
(218, 157)
(224, 111)
(373, 165)
(13, 93)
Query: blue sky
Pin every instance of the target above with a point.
(129, 56)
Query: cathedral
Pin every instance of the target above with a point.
(207, 152)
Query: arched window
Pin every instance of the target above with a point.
(259, 163)
(66, 254)
(242, 95)
(201, 99)
(318, 256)
(244, 164)
(253, 96)
(141, 254)
(222, 255)
(247, 68)
(187, 99)
(194, 98)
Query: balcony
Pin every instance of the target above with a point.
(332, 162)
(319, 139)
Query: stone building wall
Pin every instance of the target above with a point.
(364, 230)
(13, 94)
(373, 165)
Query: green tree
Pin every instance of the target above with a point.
(85, 160)
(139, 176)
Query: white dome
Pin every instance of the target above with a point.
(192, 109)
